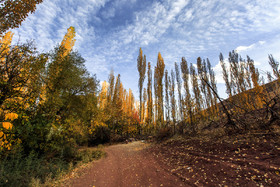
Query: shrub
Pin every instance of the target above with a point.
(100, 135)
(18, 169)
(164, 133)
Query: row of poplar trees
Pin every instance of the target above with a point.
(188, 95)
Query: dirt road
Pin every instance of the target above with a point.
(126, 165)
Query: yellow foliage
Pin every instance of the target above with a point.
(102, 99)
(11, 116)
(7, 125)
(5, 42)
(43, 94)
(99, 124)
(68, 41)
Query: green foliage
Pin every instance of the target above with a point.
(89, 155)
(18, 169)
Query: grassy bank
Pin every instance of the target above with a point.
(19, 169)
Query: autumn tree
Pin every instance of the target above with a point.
(13, 12)
(141, 65)
(116, 95)
(21, 68)
(248, 76)
(17, 65)
(150, 95)
(172, 97)
(179, 87)
(196, 90)
(213, 84)
(167, 106)
(60, 58)
(201, 74)
(237, 69)
(156, 106)
(110, 92)
(102, 99)
(145, 96)
(254, 72)
(225, 75)
(274, 65)
(258, 89)
(187, 100)
(159, 72)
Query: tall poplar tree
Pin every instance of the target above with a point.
(155, 96)
(274, 65)
(225, 75)
(167, 96)
(196, 90)
(201, 72)
(150, 95)
(186, 74)
(159, 71)
(172, 97)
(179, 86)
(141, 65)
(145, 96)
(111, 87)
(212, 83)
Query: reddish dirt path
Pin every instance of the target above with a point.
(126, 165)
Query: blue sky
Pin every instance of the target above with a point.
(110, 32)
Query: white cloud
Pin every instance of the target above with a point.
(250, 47)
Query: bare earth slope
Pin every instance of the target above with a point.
(241, 160)
(125, 165)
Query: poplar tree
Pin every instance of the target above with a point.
(234, 66)
(248, 76)
(213, 84)
(111, 87)
(196, 90)
(187, 102)
(225, 75)
(274, 65)
(141, 65)
(159, 72)
(130, 102)
(116, 95)
(167, 96)
(179, 86)
(172, 97)
(150, 95)
(254, 72)
(155, 96)
(144, 104)
(201, 71)
(102, 98)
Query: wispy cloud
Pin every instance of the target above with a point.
(110, 32)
